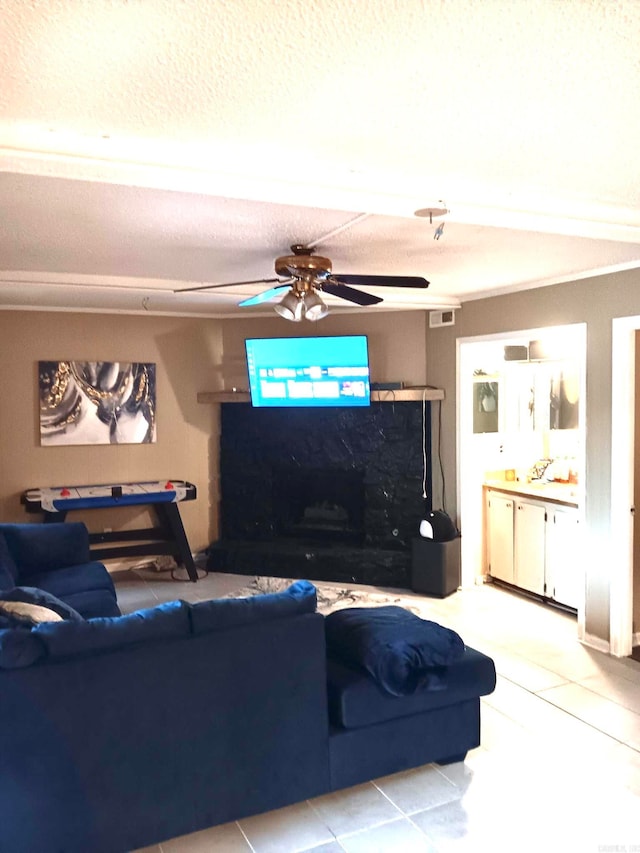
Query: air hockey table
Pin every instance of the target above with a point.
(163, 496)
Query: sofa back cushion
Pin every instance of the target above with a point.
(220, 614)
(65, 639)
(69, 638)
(42, 547)
(8, 568)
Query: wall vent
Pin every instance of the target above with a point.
(442, 318)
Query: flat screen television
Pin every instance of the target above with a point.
(327, 371)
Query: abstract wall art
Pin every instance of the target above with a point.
(97, 402)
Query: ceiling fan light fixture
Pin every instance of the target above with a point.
(307, 275)
(290, 307)
(314, 308)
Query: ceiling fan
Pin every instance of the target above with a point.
(306, 276)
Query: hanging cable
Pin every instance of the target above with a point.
(444, 499)
(424, 445)
(425, 450)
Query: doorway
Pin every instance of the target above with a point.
(508, 430)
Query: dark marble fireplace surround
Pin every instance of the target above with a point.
(325, 494)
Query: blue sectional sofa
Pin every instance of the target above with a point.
(56, 559)
(117, 732)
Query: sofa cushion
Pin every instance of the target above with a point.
(355, 700)
(38, 548)
(41, 598)
(8, 568)
(67, 581)
(220, 614)
(64, 639)
(93, 603)
(19, 647)
(399, 650)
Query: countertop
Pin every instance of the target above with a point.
(564, 493)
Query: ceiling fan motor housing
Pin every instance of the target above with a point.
(303, 264)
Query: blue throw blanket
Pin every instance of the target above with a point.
(400, 651)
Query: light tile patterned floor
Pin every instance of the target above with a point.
(558, 768)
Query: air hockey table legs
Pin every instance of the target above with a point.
(169, 517)
(170, 535)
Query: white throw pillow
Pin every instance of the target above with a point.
(33, 613)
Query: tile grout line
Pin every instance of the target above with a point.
(417, 811)
(251, 847)
(355, 832)
(595, 693)
(320, 818)
(422, 832)
(564, 711)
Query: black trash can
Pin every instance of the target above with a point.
(435, 566)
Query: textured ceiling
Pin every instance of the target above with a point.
(149, 145)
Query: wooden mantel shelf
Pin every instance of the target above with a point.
(398, 396)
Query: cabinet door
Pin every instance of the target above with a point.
(564, 563)
(529, 546)
(500, 535)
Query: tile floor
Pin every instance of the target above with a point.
(558, 768)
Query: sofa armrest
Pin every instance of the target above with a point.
(38, 548)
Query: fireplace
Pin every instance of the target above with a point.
(324, 504)
(325, 494)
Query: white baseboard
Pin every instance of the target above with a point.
(596, 643)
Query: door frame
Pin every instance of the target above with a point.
(467, 505)
(623, 370)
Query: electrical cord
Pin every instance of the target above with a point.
(424, 445)
(444, 498)
(184, 576)
(439, 451)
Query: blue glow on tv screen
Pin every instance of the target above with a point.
(330, 371)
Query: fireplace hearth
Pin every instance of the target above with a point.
(325, 494)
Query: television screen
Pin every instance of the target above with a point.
(331, 371)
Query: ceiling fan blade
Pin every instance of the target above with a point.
(259, 298)
(228, 284)
(350, 293)
(382, 280)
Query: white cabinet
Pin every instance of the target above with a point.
(535, 545)
(529, 545)
(500, 536)
(564, 575)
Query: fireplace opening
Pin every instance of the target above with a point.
(319, 504)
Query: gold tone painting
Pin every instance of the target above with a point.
(97, 402)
